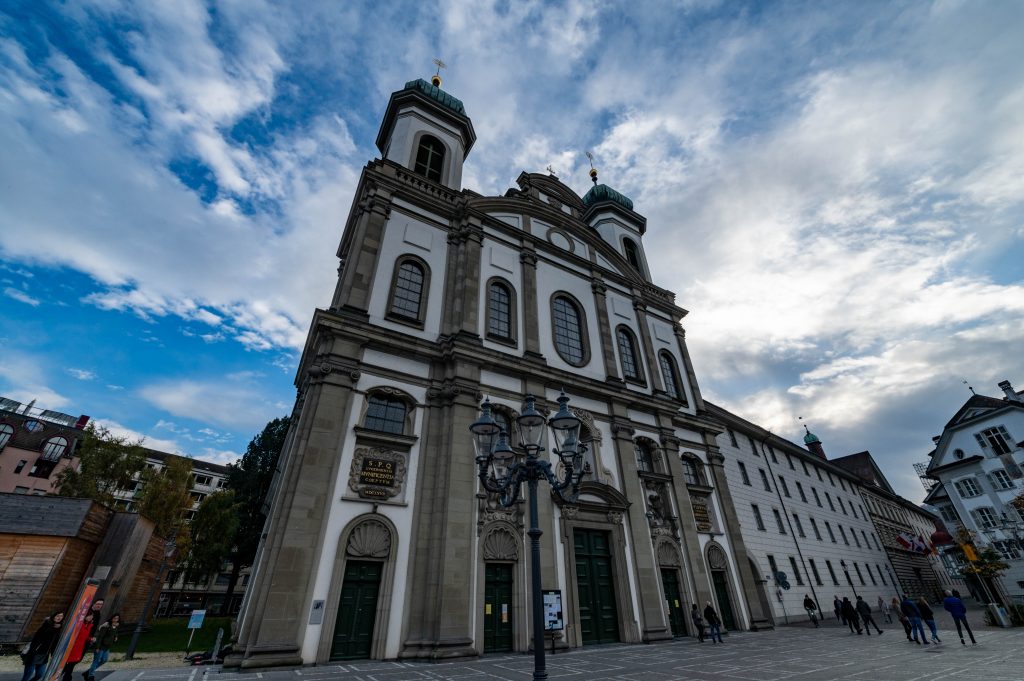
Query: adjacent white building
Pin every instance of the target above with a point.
(803, 521)
(979, 463)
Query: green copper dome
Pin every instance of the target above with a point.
(810, 437)
(602, 192)
(436, 94)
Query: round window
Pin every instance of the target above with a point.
(958, 453)
(33, 426)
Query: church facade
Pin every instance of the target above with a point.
(380, 541)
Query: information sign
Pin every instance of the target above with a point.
(553, 610)
(196, 620)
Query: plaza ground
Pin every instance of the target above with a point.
(801, 653)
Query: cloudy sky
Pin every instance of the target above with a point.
(835, 191)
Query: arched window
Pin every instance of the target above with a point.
(6, 432)
(430, 158)
(632, 254)
(692, 471)
(501, 317)
(569, 330)
(54, 448)
(644, 456)
(670, 375)
(407, 289)
(385, 414)
(628, 356)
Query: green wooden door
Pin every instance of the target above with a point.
(599, 621)
(724, 604)
(497, 608)
(673, 602)
(357, 611)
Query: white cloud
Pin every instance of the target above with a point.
(230, 401)
(20, 296)
(82, 374)
(23, 377)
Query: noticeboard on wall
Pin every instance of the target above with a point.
(553, 610)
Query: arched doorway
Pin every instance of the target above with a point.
(670, 568)
(718, 565)
(359, 602)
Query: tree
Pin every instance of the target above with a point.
(250, 480)
(165, 499)
(211, 537)
(106, 463)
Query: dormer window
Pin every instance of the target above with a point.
(632, 254)
(430, 158)
(54, 448)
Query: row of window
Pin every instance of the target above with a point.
(813, 566)
(408, 303)
(789, 460)
(52, 449)
(784, 487)
(798, 527)
(971, 487)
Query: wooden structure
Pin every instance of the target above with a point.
(48, 545)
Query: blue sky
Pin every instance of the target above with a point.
(834, 191)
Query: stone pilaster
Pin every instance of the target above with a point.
(691, 376)
(442, 562)
(356, 275)
(687, 523)
(275, 620)
(734, 535)
(604, 324)
(653, 624)
(531, 329)
(645, 339)
(462, 275)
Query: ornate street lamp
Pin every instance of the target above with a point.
(503, 470)
(843, 564)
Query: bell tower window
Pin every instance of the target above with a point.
(632, 254)
(430, 158)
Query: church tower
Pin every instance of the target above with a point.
(380, 542)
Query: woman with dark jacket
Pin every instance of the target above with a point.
(850, 615)
(106, 637)
(41, 647)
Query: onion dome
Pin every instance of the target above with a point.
(810, 437)
(941, 538)
(436, 93)
(602, 192)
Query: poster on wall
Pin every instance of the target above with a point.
(553, 610)
(74, 621)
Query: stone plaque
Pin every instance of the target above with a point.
(702, 516)
(377, 473)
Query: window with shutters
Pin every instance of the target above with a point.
(997, 440)
(986, 517)
(967, 488)
(1000, 479)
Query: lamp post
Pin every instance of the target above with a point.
(503, 470)
(843, 564)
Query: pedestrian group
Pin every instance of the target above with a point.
(92, 636)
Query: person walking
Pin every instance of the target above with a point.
(714, 624)
(77, 649)
(929, 618)
(914, 615)
(812, 609)
(883, 608)
(698, 622)
(838, 606)
(902, 618)
(850, 616)
(955, 607)
(105, 637)
(864, 610)
(37, 652)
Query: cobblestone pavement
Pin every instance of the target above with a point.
(830, 653)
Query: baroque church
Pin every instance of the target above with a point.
(380, 541)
